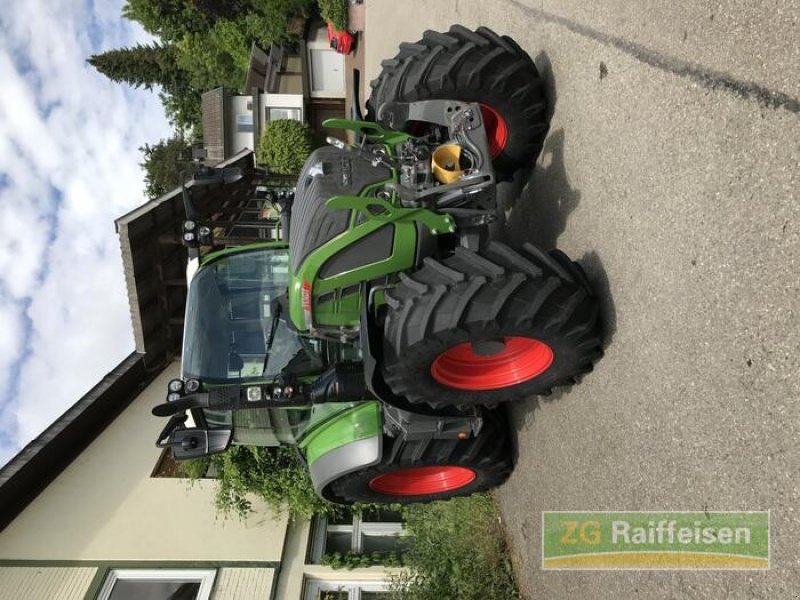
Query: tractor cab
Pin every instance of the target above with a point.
(236, 327)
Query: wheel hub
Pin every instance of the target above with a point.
(422, 481)
(464, 367)
(488, 347)
(496, 129)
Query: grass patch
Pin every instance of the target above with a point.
(459, 551)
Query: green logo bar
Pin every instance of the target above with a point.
(655, 540)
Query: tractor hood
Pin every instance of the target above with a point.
(328, 172)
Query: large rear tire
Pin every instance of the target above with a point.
(474, 66)
(428, 470)
(490, 326)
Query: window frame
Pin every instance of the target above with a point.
(358, 529)
(206, 577)
(290, 110)
(313, 587)
(245, 123)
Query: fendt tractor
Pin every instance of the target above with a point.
(382, 331)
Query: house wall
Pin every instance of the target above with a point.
(37, 583)
(291, 81)
(237, 584)
(289, 101)
(213, 113)
(238, 140)
(105, 506)
(290, 580)
(106, 511)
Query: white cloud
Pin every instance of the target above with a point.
(69, 157)
(11, 334)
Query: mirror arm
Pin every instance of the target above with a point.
(171, 425)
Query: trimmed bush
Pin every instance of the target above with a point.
(285, 146)
(334, 11)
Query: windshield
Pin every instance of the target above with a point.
(230, 310)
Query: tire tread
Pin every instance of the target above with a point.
(468, 294)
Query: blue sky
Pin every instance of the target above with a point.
(69, 157)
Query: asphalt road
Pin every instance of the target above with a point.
(672, 171)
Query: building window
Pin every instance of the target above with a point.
(244, 123)
(274, 113)
(345, 590)
(371, 531)
(158, 584)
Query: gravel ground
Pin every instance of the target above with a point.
(671, 171)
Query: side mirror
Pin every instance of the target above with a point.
(196, 443)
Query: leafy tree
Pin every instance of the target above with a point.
(268, 20)
(335, 11)
(172, 20)
(183, 109)
(163, 163)
(230, 9)
(203, 44)
(218, 57)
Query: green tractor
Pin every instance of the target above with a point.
(380, 333)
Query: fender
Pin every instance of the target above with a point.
(351, 439)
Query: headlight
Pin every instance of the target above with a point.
(192, 385)
(189, 225)
(173, 397)
(204, 235)
(175, 385)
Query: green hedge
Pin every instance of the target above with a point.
(285, 146)
(334, 11)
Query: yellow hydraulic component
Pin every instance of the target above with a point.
(445, 163)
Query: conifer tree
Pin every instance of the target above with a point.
(143, 65)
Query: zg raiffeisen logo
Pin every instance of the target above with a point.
(651, 540)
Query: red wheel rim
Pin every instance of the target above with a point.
(422, 481)
(521, 359)
(496, 130)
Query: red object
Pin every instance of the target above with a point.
(307, 302)
(521, 359)
(341, 41)
(422, 481)
(496, 129)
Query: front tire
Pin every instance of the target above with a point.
(427, 470)
(490, 326)
(473, 66)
